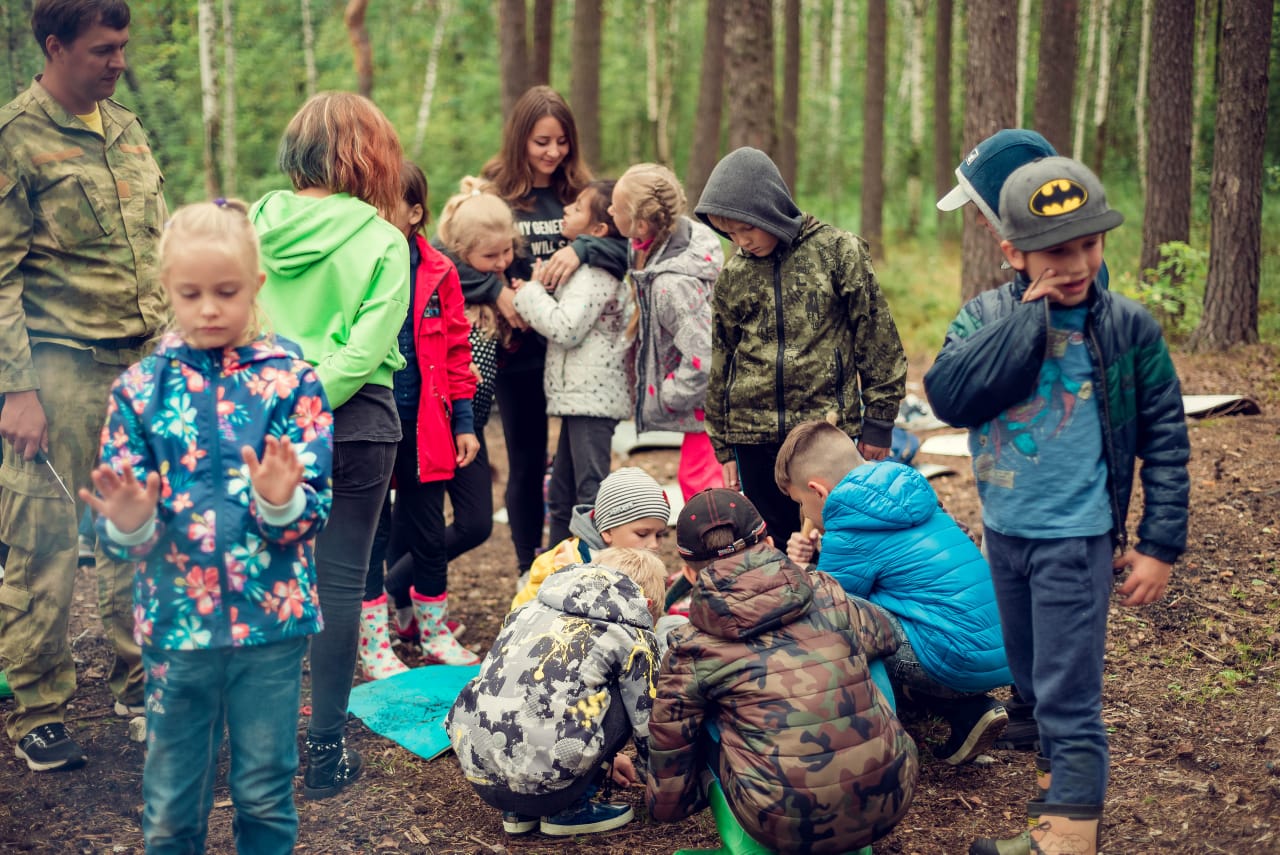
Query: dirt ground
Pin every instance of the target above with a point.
(1192, 701)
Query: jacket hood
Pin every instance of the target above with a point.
(883, 496)
(746, 186)
(172, 346)
(582, 525)
(598, 593)
(751, 592)
(298, 232)
(692, 250)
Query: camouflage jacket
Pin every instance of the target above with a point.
(530, 722)
(798, 333)
(80, 221)
(811, 757)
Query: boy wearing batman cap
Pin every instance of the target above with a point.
(1063, 385)
(810, 754)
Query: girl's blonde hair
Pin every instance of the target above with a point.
(222, 224)
(656, 198)
(469, 218)
(642, 567)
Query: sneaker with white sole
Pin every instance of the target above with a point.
(48, 748)
(518, 823)
(586, 817)
(976, 723)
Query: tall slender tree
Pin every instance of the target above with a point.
(873, 128)
(207, 25)
(513, 52)
(1167, 216)
(705, 150)
(229, 155)
(790, 91)
(943, 155)
(309, 47)
(1231, 291)
(1056, 71)
(584, 87)
(749, 52)
(353, 17)
(915, 13)
(990, 88)
(544, 20)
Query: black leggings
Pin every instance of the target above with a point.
(523, 407)
(755, 470)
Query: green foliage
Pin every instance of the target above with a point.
(1174, 290)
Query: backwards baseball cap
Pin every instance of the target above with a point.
(712, 508)
(626, 495)
(985, 169)
(1051, 201)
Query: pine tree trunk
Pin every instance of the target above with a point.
(1082, 96)
(873, 128)
(1231, 292)
(1056, 76)
(749, 52)
(916, 12)
(543, 27)
(943, 156)
(208, 34)
(1024, 51)
(1168, 198)
(1102, 91)
(584, 92)
(790, 92)
(1140, 97)
(359, 34)
(989, 92)
(1206, 17)
(705, 151)
(513, 52)
(229, 155)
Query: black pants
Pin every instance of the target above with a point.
(523, 407)
(583, 457)
(471, 495)
(361, 473)
(755, 470)
(415, 540)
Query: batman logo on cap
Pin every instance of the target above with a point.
(1057, 197)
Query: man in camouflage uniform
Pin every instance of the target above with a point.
(810, 755)
(80, 216)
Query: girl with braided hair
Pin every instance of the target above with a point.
(673, 262)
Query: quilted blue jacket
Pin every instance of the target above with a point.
(217, 573)
(888, 540)
(992, 357)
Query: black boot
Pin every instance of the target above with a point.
(1022, 733)
(331, 766)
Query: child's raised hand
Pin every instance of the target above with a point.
(506, 304)
(279, 472)
(124, 501)
(557, 269)
(800, 546)
(468, 447)
(1048, 284)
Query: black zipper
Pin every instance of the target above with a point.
(782, 342)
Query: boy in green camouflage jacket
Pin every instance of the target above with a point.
(800, 330)
(810, 755)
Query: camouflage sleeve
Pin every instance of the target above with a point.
(881, 361)
(308, 423)
(724, 342)
(677, 743)
(17, 374)
(876, 638)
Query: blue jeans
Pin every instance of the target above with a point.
(191, 696)
(1053, 597)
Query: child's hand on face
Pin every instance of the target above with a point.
(1047, 285)
(800, 546)
(124, 501)
(557, 269)
(279, 472)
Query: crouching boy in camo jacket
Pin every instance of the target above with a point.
(810, 755)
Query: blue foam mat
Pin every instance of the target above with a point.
(410, 708)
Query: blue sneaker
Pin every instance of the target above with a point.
(518, 823)
(586, 817)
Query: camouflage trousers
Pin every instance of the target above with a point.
(40, 526)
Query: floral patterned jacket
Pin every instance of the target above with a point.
(215, 572)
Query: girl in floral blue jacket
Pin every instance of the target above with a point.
(215, 474)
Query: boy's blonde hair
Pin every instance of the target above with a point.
(222, 224)
(642, 567)
(656, 198)
(815, 449)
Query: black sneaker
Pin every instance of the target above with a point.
(975, 725)
(1022, 734)
(518, 823)
(586, 817)
(49, 747)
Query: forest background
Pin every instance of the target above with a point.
(867, 105)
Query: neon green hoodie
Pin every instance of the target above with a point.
(337, 285)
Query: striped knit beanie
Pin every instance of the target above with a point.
(627, 495)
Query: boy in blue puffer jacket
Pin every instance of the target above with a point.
(886, 539)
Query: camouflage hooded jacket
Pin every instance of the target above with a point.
(531, 721)
(811, 756)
